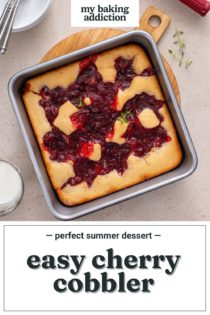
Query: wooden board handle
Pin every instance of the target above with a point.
(155, 31)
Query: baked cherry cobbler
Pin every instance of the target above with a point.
(102, 124)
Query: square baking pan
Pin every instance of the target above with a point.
(187, 166)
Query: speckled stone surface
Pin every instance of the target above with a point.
(185, 200)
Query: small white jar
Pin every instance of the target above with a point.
(11, 187)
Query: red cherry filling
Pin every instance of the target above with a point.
(126, 73)
(94, 123)
(86, 62)
(114, 158)
(148, 72)
(87, 149)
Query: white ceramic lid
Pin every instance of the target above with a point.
(30, 13)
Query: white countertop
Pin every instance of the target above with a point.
(188, 199)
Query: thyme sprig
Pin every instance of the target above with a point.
(80, 102)
(123, 118)
(188, 63)
(179, 54)
(172, 53)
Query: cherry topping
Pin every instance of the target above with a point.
(86, 62)
(95, 123)
(86, 149)
(148, 72)
(125, 72)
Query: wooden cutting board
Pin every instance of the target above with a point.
(92, 36)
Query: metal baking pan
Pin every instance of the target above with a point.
(189, 161)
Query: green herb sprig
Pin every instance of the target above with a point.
(79, 102)
(172, 53)
(179, 52)
(188, 63)
(123, 118)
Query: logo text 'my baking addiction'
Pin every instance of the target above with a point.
(103, 282)
(105, 13)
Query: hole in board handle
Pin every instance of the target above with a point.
(155, 21)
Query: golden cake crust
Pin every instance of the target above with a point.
(156, 162)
